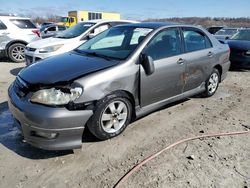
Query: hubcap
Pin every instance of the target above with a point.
(213, 83)
(18, 53)
(114, 116)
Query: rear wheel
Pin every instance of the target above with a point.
(212, 83)
(111, 117)
(16, 52)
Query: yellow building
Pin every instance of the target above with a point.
(75, 17)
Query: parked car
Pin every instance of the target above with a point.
(15, 34)
(46, 23)
(240, 49)
(225, 33)
(123, 73)
(214, 29)
(51, 30)
(68, 39)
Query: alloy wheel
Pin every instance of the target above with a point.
(18, 53)
(213, 83)
(114, 116)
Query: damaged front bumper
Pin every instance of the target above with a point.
(48, 127)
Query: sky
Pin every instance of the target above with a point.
(131, 9)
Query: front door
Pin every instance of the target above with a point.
(167, 81)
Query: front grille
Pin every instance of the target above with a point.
(28, 58)
(21, 88)
(37, 58)
(30, 49)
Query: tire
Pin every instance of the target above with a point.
(111, 116)
(212, 83)
(16, 52)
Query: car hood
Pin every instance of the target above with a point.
(49, 42)
(63, 68)
(239, 44)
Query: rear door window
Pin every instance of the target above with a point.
(195, 40)
(2, 26)
(23, 24)
(53, 28)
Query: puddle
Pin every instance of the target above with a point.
(7, 128)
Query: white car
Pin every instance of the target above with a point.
(15, 34)
(68, 39)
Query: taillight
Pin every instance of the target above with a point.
(37, 32)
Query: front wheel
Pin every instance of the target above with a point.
(212, 83)
(111, 117)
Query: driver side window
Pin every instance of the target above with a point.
(165, 44)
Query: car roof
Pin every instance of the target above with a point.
(244, 29)
(106, 21)
(13, 17)
(154, 25)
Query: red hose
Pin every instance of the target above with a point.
(139, 165)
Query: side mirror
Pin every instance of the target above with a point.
(91, 35)
(222, 41)
(148, 64)
(227, 38)
(45, 31)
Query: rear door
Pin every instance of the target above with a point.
(27, 30)
(198, 56)
(167, 80)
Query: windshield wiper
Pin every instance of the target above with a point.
(61, 37)
(108, 58)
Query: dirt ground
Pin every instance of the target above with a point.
(222, 162)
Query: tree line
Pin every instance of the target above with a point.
(207, 21)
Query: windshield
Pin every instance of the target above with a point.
(64, 19)
(226, 32)
(242, 35)
(116, 42)
(75, 31)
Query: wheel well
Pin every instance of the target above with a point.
(219, 68)
(13, 42)
(131, 98)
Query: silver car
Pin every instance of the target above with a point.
(121, 74)
(225, 33)
(51, 30)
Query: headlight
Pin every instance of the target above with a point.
(50, 48)
(55, 96)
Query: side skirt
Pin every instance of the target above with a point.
(140, 112)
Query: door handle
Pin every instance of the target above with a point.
(210, 54)
(180, 61)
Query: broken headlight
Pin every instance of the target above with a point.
(56, 96)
